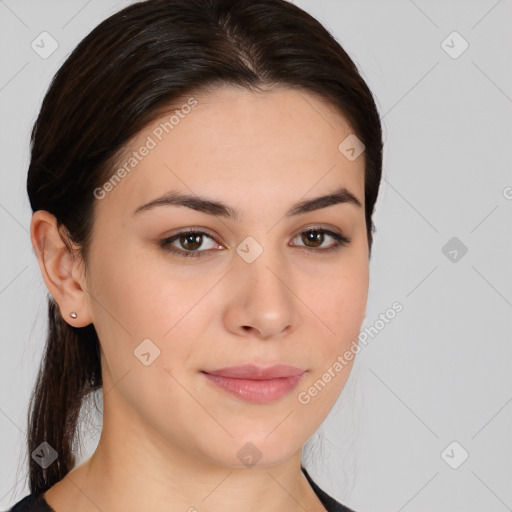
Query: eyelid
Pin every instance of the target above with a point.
(320, 227)
(190, 229)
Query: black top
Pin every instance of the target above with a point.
(327, 501)
(36, 503)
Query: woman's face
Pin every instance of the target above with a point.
(248, 286)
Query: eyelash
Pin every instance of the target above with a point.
(339, 239)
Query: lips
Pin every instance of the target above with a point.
(256, 384)
(250, 371)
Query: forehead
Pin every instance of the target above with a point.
(231, 141)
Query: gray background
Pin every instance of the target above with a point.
(440, 370)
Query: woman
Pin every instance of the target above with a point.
(203, 177)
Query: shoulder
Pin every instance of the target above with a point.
(327, 501)
(31, 503)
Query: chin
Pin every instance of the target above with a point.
(262, 451)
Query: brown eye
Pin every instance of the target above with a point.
(188, 243)
(313, 239)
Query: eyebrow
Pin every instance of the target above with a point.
(219, 209)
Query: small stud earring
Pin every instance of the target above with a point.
(73, 315)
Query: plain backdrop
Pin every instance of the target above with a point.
(424, 422)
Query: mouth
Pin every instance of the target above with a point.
(256, 384)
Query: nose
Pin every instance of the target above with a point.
(263, 303)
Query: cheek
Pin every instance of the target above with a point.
(340, 301)
(341, 305)
(141, 294)
(140, 298)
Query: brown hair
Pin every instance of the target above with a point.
(120, 78)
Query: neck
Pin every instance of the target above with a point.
(133, 472)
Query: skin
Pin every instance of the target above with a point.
(170, 438)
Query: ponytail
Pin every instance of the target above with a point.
(69, 371)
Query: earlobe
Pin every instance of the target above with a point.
(60, 268)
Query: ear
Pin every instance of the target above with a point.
(62, 270)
